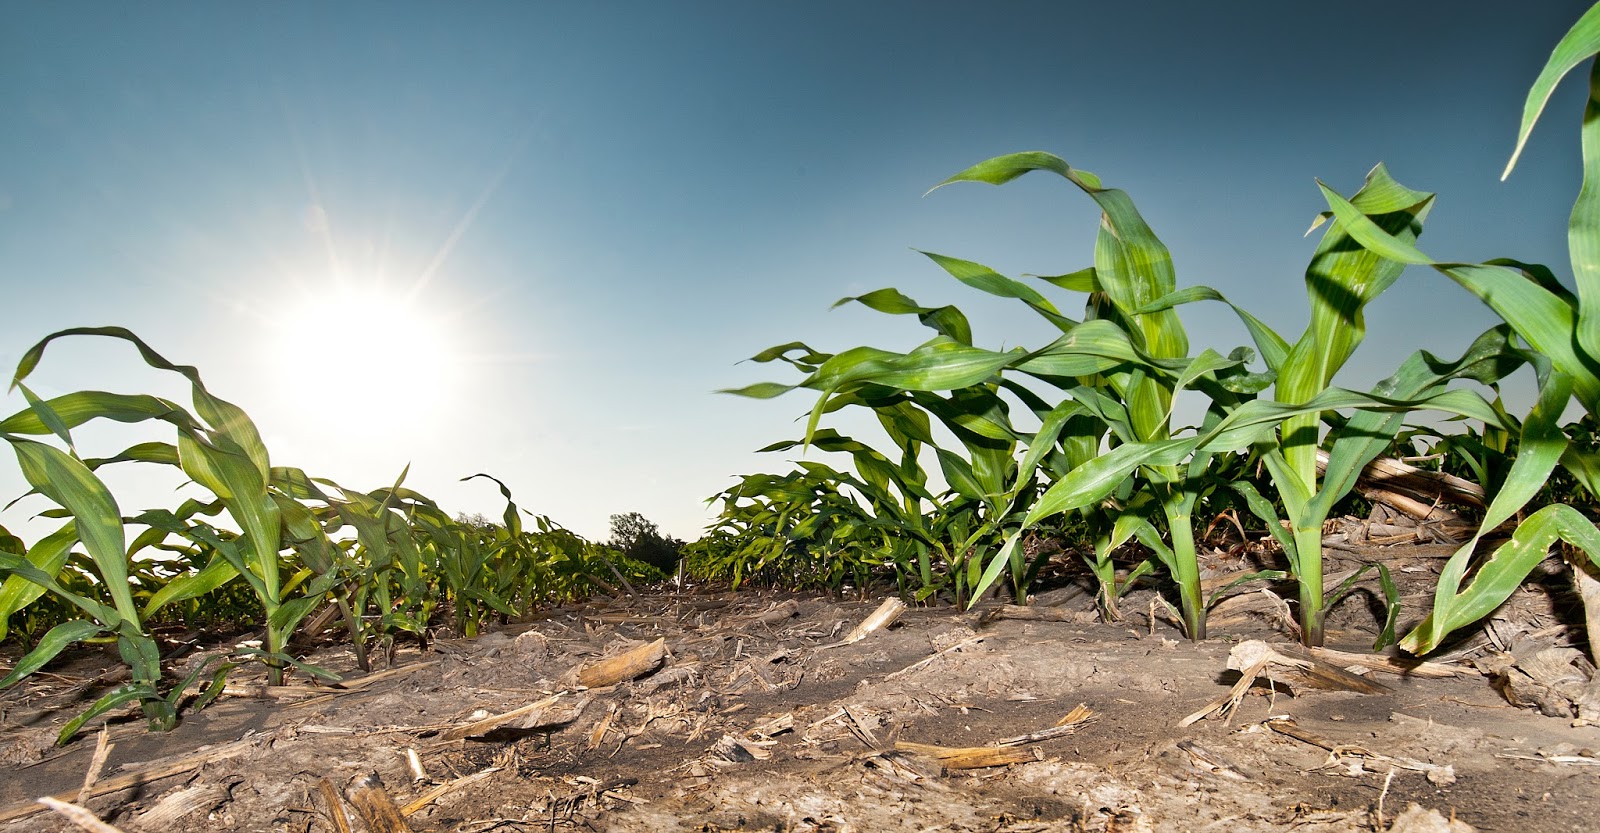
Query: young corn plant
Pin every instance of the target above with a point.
(223, 454)
(1121, 369)
(1561, 329)
(1341, 281)
(97, 523)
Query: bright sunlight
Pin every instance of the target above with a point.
(388, 353)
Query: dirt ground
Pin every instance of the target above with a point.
(754, 712)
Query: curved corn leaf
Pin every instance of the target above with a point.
(1541, 447)
(48, 555)
(511, 517)
(946, 321)
(68, 482)
(118, 696)
(1340, 281)
(1548, 322)
(20, 567)
(53, 643)
(1487, 360)
(75, 409)
(1274, 350)
(217, 572)
(1503, 573)
(47, 416)
(1580, 42)
(1098, 478)
(984, 279)
(147, 452)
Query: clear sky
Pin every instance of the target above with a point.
(531, 239)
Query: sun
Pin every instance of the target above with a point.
(381, 353)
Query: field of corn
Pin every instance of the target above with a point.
(1007, 475)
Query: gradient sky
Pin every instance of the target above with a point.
(590, 213)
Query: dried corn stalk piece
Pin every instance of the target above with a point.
(78, 815)
(970, 757)
(375, 806)
(479, 727)
(883, 617)
(777, 613)
(1342, 754)
(626, 666)
(179, 803)
(1254, 659)
(1078, 717)
(730, 750)
(416, 805)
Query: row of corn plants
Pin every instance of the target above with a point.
(267, 544)
(1106, 448)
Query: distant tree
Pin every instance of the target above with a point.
(477, 521)
(639, 538)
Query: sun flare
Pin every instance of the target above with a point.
(388, 355)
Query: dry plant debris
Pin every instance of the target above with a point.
(716, 716)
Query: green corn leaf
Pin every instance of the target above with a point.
(970, 411)
(1340, 281)
(1249, 422)
(1504, 572)
(1545, 320)
(1583, 228)
(1274, 350)
(1264, 509)
(1391, 608)
(1087, 349)
(511, 516)
(1207, 363)
(288, 614)
(148, 452)
(75, 409)
(54, 642)
(217, 572)
(139, 652)
(1367, 434)
(1541, 447)
(806, 362)
(1083, 280)
(1540, 275)
(1042, 442)
(212, 690)
(1132, 265)
(959, 475)
(48, 555)
(946, 321)
(114, 699)
(65, 480)
(996, 567)
(296, 484)
(1098, 478)
(1584, 466)
(47, 416)
(984, 279)
(1580, 42)
(305, 534)
(20, 567)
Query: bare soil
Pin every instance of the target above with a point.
(758, 719)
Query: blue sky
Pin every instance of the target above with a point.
(531, 239)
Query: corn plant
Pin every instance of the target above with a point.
(1121, 368)
(1561, 328)
(223, 454)
(1123, 365)
(97, 523)
(798, 530)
